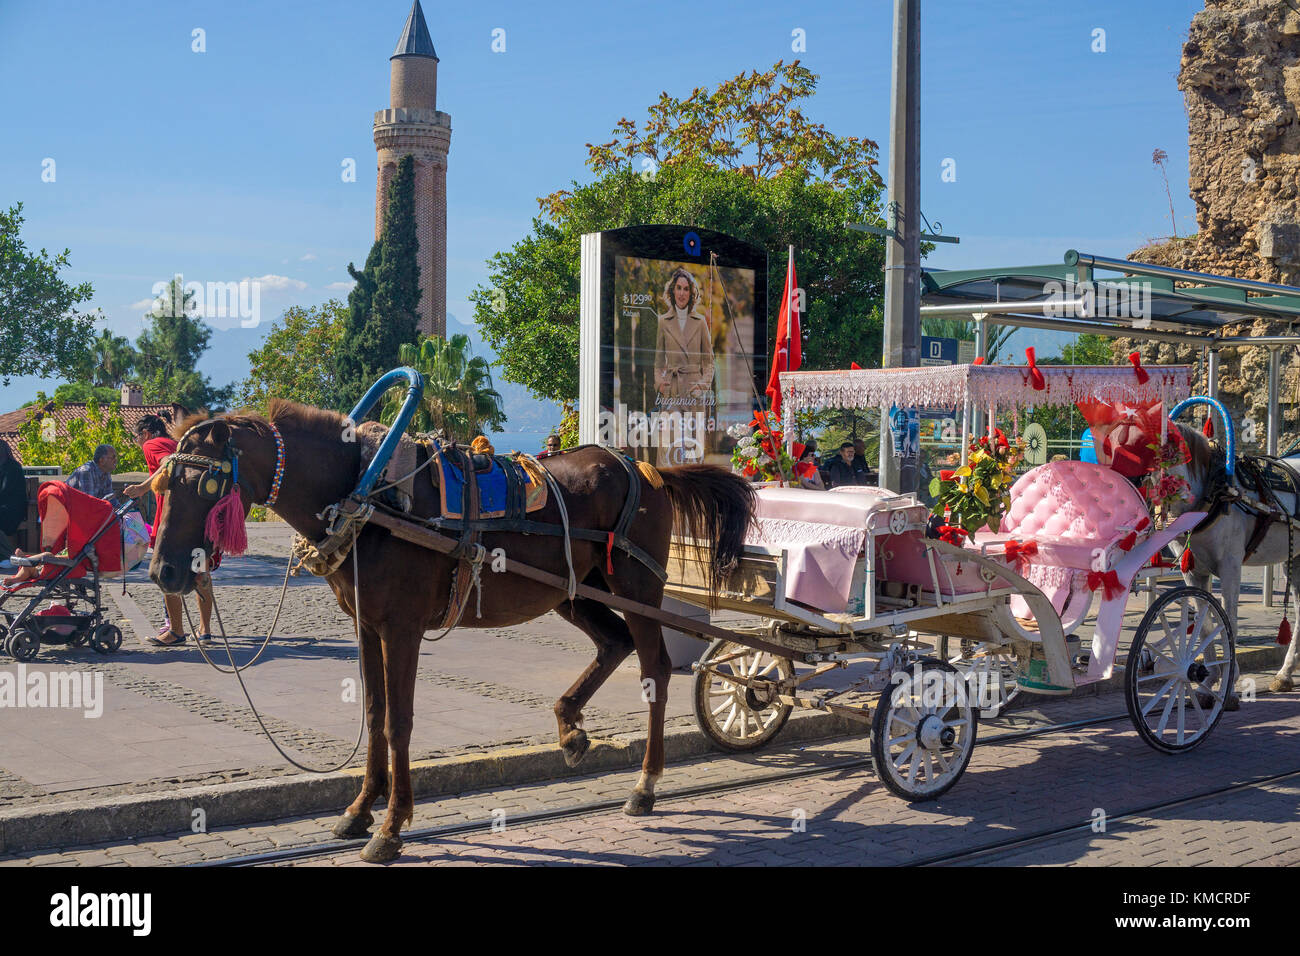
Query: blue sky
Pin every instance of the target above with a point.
(226, 164)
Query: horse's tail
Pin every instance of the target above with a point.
(715, 508)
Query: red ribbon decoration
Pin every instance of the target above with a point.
(1142, 374)
(1126, 543)
(609, 553)
(855, 365)
(1108, 581)
(1144, 523)
(1035, 375)
(952, 533)
(1020, 552)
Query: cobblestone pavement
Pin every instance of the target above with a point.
(170, 721)
(1013, 790)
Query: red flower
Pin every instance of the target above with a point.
(1002, 439)
(946, 475)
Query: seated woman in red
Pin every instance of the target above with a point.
(68, 520)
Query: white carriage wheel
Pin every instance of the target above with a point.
(923, 732)
(992, 674)
(734, 715)
(1182, 659)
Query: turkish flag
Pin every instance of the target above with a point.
(788, 355)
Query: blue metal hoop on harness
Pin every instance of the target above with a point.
(1228, 429)
(414, 392)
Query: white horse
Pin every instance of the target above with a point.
(1219, 548)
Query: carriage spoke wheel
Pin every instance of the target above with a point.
(992, 674)
(923, 732)
(736, 716)
(1180, 669)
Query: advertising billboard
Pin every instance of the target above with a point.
(674, 341)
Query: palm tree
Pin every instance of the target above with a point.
(459, 399)
(114, 358)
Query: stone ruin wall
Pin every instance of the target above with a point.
(1240, 77)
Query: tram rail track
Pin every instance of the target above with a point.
(442, 831)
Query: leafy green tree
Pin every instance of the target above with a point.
(1089, 349)
(41, 331)
(742, 160)
(78, 392)
(40, 444)
(298, 359)
(459, 399)
(169, 349)
(373, 339)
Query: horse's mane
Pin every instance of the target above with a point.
(1209, 460)
(279, 411)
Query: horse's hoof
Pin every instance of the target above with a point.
(576, 748)
(382, 848)
(350, 827)
(1232, 702)
(1281, 685)
(639, 804)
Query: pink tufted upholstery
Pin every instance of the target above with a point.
(1069, 509)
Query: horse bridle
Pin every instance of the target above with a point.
(222, 474)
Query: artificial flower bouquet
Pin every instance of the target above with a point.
(976, 494)
(760, 450)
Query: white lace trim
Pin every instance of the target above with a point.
(783, 532)
(1001, 386)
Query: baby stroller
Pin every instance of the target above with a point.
(101, 541)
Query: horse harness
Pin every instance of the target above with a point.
(1269, 477)
(470, 526)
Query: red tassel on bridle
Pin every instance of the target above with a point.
(1186, 562)
(225, 525)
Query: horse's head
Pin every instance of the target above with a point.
(1206, 470)
(213, 457)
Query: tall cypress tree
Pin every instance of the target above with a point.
(384, 304)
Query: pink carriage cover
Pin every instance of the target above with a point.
(1070, 510)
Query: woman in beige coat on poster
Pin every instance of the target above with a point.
(684, 348)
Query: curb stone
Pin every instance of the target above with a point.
(131, 817)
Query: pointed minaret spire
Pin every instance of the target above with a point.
(415, 39)
(414, 125)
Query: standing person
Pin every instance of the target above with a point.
(13, 500)
(151, 435)
(95, 477)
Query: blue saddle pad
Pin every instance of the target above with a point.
(491, 490)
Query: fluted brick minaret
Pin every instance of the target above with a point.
(413, 124)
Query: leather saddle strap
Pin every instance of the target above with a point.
(470, 534)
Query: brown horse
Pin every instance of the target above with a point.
(405, 589)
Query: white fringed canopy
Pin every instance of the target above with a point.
(983, 386)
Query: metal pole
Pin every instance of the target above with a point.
(902, 345)
(1270, 444)
(1212, 374)
(1084, 260)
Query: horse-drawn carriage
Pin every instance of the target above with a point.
(947, 629)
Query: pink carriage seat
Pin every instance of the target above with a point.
(1070, 511)
(821, 507)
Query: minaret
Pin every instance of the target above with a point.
(413, 124)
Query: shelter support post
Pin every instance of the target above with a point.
(981, 351)
(1271, 442)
